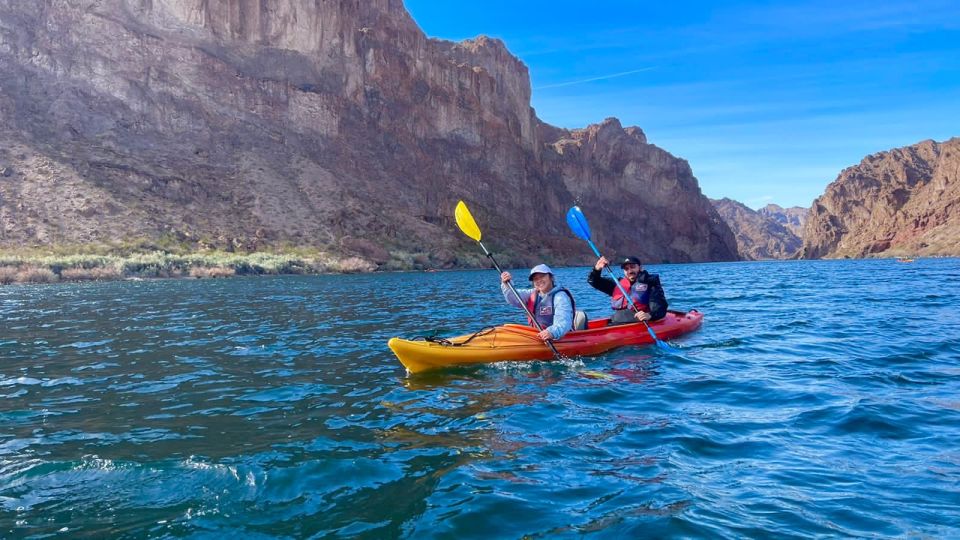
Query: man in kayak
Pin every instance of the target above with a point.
(644, 289)
(555, 312)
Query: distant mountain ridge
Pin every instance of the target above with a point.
(254, 125)
(792, 218)
(759, 236)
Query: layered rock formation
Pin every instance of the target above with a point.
(792, 218)
(259, 124)
(902, 202)
(758, 235)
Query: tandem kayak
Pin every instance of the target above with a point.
(517, 342)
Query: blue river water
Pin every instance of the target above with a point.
(819, 399)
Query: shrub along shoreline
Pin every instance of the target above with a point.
(47, 268)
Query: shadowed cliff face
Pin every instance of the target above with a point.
(254, 124)
(902, 202)
(758, 235)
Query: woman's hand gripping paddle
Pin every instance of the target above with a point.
(469, 227)
(578, 224)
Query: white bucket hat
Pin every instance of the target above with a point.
(540, 269)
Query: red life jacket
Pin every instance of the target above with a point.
(639, 293)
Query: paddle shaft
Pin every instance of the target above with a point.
(520, 301)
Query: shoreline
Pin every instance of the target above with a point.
(77, 268)
(25, 269)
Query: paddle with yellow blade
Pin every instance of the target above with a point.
(578, 224)
(469, 227)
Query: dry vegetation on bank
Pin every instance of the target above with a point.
(49, 268)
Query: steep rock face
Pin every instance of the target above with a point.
(250, 124)
(902, 202)
(648, 201)
(758, 235)
(792, 218)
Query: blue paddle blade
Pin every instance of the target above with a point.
(578, 223)
(664, 346)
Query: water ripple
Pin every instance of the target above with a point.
(270, 407)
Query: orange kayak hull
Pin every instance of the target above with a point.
(519, 343)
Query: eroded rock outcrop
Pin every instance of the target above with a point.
(758, 235)
(904, 201)
(254, 124)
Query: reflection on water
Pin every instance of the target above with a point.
(272, 407)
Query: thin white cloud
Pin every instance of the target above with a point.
(591, 79)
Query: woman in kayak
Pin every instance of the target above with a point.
(555, 312)
(644, 289)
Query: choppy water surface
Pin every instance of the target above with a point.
(818, 399)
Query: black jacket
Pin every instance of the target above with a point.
(658, 301)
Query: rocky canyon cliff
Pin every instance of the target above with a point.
(904, 201)
(259, 124)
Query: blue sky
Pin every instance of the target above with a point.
(768, 101)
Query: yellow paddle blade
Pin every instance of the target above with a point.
(465, 221)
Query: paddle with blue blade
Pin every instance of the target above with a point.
(578, 224)
(469, 227)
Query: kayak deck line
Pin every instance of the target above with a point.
(520, 343)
